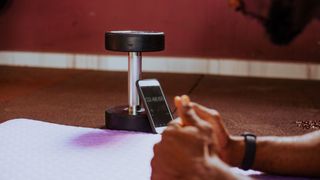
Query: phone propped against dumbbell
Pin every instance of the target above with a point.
(155, 104)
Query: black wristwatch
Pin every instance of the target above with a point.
(250, 150)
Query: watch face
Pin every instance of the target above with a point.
(157, 106)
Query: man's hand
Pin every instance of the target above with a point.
(228, 148)
(180, 154)
(184, 151)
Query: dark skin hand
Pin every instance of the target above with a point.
(198, 146)
(228, 148)
(295, 156)
(186, 150)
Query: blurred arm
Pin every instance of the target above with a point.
(298, 155)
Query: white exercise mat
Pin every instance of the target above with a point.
(35, 150)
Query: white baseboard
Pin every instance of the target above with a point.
(232, 67)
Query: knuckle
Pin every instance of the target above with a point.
(155, 148)
(153, 163)
(214, 113)
(192, 116)
(175, 123)
(210, 129)
(206, 129)
(188, 114)
(169, 132)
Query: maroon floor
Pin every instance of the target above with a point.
(79, 98)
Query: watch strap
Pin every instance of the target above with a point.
(250, 150)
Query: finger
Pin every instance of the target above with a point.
(204, 128)
(155, 154)
(185, 100)
(176, 134)
(198, 139)
(177, 100)
(210, 115)
(205, 113)
(186, 134)
(176, 122)
(178, 104)
(189, 117)
(196, 121)
(173, 125)
(158, 166)
(156, 148)
(183, 105)
(213, 117)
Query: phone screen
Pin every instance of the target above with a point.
(157, 105)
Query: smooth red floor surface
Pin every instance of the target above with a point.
(79, 98)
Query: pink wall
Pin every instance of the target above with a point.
(193, 28)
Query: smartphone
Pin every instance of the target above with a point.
(155, 104)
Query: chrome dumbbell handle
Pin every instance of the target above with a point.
(134, 74)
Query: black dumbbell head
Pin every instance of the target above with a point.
(134, 41)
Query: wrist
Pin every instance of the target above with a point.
(217, 169)
(235, 151)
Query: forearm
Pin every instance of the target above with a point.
(299, 155)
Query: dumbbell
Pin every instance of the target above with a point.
(132, 117)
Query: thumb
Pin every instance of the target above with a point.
(183, 105)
